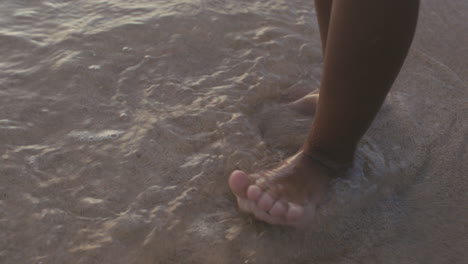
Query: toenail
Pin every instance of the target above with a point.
(238, 182)
(295, 212)
(254, 192)
(266, 202)
(278, 209)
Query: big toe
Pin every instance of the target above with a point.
(239, 182)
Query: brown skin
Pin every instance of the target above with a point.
(365, 43)
(323, 8)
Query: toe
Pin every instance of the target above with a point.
(239, 182)
(254, 192)
(246, 205)
(265, 202)
(249, 206)
(265, 217)
(279, 209)
(295, 212)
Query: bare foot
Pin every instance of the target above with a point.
(305, 105)
(285, 195)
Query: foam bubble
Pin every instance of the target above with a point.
(89, 136)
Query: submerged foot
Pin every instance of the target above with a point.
(305, 105)
(285, 195)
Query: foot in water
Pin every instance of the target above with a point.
(287, 194)
(305, 105)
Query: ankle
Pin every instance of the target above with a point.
(338, 163)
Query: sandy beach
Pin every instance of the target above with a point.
(121, 121)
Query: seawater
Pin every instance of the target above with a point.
(120, 122)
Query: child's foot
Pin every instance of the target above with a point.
(305, 105)
(285, 195)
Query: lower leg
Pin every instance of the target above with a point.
(366, 45)
(323, 9)
(307, 104)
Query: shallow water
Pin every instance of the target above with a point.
(120, 123)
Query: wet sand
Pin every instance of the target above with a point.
(120, 123)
